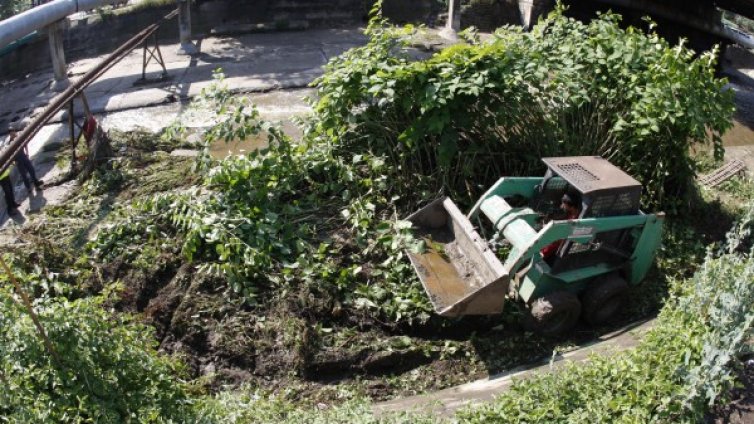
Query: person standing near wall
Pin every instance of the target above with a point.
(10, 199)
(26, 167)
(7, 185)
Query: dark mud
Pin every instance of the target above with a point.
(227, 342)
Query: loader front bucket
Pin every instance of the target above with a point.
(460, 273)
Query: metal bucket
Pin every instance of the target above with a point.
(460, 273)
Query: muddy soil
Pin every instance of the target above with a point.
(305, 345)
(227, 342)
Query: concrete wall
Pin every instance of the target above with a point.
(487, 15)
(414, 11)
(282, 14)
(30, 56)
(101, 33)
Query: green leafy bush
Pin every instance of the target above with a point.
(722, 295)
(108, 371)
(475, 112)
(249, 406)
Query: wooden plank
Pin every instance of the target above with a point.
(723, 173)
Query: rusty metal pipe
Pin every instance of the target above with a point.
(58, 102)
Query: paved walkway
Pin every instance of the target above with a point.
(446, 402)
(251, 63)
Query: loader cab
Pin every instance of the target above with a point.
(605, 191)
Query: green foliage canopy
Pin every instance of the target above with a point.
(109, 371)
(476, 112)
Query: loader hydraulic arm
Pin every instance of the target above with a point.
(577, 230)
(505, 187)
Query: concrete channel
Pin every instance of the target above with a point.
(445, 403)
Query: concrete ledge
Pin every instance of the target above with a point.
(446, 402)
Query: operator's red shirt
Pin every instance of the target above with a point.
(549, 250)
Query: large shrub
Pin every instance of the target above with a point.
(478, 111)
(107, 369)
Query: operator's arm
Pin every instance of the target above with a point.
(550, 249)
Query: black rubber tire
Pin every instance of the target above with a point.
(603, 298)
(553, 314)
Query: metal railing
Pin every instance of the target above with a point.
(74, 90)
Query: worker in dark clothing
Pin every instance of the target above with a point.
(571, 206)
(26, 168)
(10, 199)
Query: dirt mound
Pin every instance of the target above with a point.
(193, 317)
(228, 342)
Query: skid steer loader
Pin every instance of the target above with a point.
(609, 246)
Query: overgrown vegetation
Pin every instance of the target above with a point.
(108, 370)
(473, 112)
(284, 269)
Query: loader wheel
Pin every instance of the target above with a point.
(604, 298)
(553, 314)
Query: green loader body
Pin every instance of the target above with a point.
(609, 246)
